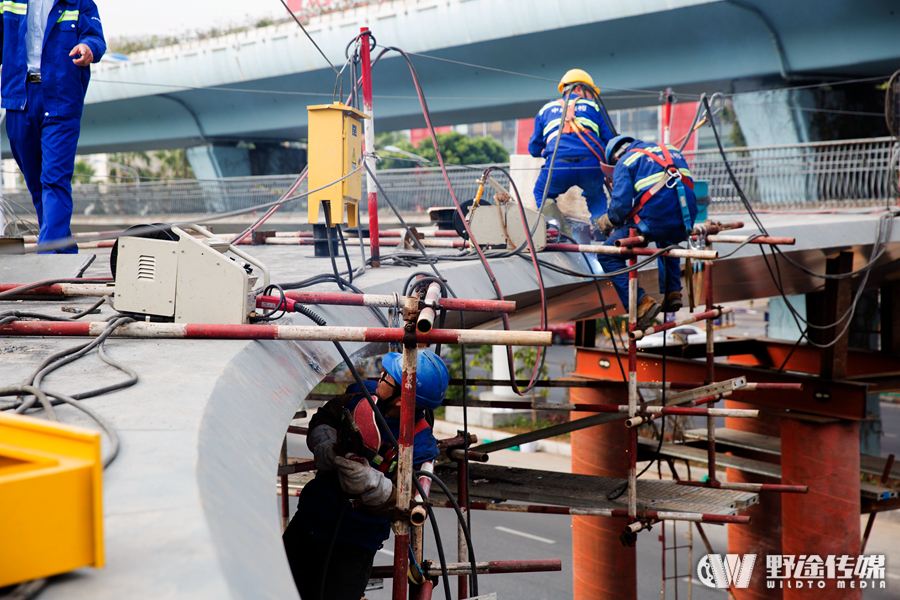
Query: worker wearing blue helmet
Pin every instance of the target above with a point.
(653, 192)
(346, 507)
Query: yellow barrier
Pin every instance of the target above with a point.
(51, 493)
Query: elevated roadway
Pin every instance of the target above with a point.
(255, 85)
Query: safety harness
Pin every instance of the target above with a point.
(570, 125)
(386, 458)
(672, 178)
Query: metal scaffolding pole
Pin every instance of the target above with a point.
(369, 133)
(404, 481)
(710, 369)
(632, 385)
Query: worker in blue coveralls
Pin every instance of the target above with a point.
(586, 131)
(348, 504)
(47, 50)
(653, 192)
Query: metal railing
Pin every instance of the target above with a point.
(817, 175)
(411, 191)
(845, 173)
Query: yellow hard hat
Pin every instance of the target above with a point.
(576, 76)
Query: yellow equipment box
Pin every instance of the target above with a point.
(51, 499)
(335, 149)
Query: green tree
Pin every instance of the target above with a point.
(174, 164)
(139, 161)
(526, 358)
(736, 135)
(83, 172)
(456, 148)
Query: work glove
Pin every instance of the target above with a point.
(604, 224)
(321, 442)
(357, 479)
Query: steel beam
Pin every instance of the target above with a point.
(837, 303)
(890, 319)
(840, 399)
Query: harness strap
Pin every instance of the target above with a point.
(421, 425)
(566, 124)
(671, 172)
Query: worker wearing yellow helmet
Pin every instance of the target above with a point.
(586, 129)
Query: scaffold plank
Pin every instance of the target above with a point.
(493, 482)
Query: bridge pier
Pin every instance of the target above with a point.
(603, 568)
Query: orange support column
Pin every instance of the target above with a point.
(826, 520)
(603, 568)
(763, 535)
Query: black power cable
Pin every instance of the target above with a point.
(462, 523)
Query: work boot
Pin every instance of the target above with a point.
(646, 312)
(673, 302)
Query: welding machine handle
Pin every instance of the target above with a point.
(235, 251)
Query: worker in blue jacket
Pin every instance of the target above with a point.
(47, 48)
(348, 505)
(653, 193)
(585, 132)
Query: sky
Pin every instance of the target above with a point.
(167, 17)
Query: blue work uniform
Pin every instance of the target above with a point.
(575, 163)
(662, 219)
(43, 118)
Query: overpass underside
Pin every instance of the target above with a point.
(254, 86)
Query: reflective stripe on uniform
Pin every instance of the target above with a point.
(646, 182)
(655, 149)
(634, 156)
(588, 123)
(547, 106)
(16, 8)
(551, 126)
(69, 15)
(590, 103)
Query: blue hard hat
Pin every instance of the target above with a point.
(615, 143)
(432, 376)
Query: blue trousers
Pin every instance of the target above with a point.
(44, 148)
(669, 268)
(586, 174)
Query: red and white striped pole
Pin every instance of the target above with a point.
(404, 481)
(274, 332)
(369, 133)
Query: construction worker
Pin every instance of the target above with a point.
(343, 513)
(653, 192)
(586, 130)
(47, 50)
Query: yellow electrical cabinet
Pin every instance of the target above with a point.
(51, 492)
(335, 149)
